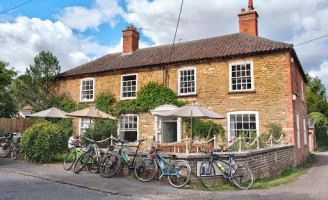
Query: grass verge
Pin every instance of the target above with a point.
(287, 176)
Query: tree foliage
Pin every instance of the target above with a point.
(7, 106)
(316, 96)
(321, 128)
(34, 86)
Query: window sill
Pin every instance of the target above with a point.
(187, 95)
(131, 98)
(242, 91)
(82, 102)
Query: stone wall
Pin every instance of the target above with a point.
(262, 162)
(212, 87)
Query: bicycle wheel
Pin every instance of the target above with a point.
(4, 150)
(81, 162)
(110, 165)
(69, 160)
(242, 176)
(93, 166)
(145, 168)
(182, 178)
(207, 174)
(14, 154)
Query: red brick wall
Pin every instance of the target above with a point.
(294, 82)
(248, 23)
(130, 39)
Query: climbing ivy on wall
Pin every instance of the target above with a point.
(149, 97)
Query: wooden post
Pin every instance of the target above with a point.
(111, 139)
(271, 140)
(239, 142)
(214, 139)
(187, 148)
(258, 142)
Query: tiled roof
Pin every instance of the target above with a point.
(217, 47)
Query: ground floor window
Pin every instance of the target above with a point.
(84, 124)
(243, 123)
(128, 127)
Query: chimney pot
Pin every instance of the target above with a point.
(243, 10)
(250, 5)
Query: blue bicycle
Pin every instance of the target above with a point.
(178, 171)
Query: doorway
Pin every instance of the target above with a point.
(169, 132)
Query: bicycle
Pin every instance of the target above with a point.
(112, 163)
(11, 145)
(237, 174)
(177, 172)
(91, 157)
(71, 157)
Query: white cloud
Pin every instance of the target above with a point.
(279, 20)
(81, 18)
(23, 39)
(321, 73)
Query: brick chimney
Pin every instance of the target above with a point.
(248, 20)
(130, 39)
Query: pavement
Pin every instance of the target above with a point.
(312, 185)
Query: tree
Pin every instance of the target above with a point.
(321, 128)
(316, 96)
(7, 107)
(34, 87)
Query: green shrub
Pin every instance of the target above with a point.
(43, 141)
(202, 128)
(104, 102)
(102, 129)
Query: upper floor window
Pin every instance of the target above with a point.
(302, 89)
(187, 81)
(128, 127)
(243, 123)
(87, 89)
(129, 86)
(241, 76)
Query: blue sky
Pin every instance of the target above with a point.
(78, 31)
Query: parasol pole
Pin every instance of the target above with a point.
(192, 128)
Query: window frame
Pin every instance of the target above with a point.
(251, 74)
(80, 120)
(121, 88)
(298, 130)
(119, 124)
(304, 131)
(195, 80)
(243, 112)
(93, 90)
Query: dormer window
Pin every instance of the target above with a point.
(241, 76)
(87, 90)
(129, 86)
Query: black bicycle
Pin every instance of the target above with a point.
(237, 174)
(11, 145)
(112, 163)
(92, 157)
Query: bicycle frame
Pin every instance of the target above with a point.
(164, 171)
(229, 163)
(120, 152)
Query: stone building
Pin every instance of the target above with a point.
(250, 80)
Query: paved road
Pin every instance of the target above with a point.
(312, 185)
